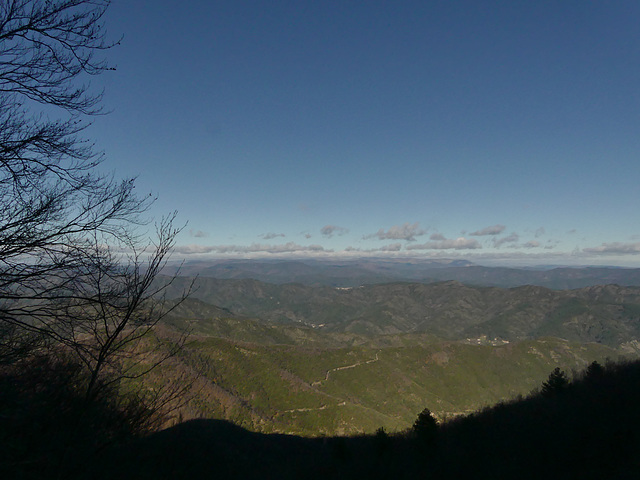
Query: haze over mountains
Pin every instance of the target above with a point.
(349, 273)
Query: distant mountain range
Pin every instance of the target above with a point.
(352, 273)
(450, 310)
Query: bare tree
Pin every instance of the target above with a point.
(75, 271)
(79, 289)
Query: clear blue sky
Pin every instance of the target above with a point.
(500, 132)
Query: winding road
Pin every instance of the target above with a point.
(326, 378)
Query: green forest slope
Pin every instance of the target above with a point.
(608, 314)
(587, 429)
(293, 379)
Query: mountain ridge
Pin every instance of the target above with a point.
(607, 314)
(353, 273)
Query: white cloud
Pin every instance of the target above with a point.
(492, 230)
(330, 230)
(532, 244)
(193, 249)
(289, 247)
(551, 244)
(437, 236)
(615, 248)
(198, 233)
(393, 247)
(513, 238)
(270, 235)
(460, 243)
(460, 248)
(406, 231)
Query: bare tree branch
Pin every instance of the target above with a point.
(74, 268)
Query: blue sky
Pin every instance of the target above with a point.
(500, 132)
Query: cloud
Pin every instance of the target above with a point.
(539, 232)
(460, 243)
(193, 249)
(459, 248)
(198, 233)
(393, 247)
(492, 230)
(532, 244)
(288, 247)
(406, 231)
(615, 248)
(513, 238)
(437, 236)
(307, 235)
(330, 230)
(269, 236)
(551, 244)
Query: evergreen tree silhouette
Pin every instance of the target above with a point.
(555, 384)
(425, 427)
(594, 371)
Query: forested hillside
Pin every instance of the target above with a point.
(310, 384)
(606, 314)
(586, 428)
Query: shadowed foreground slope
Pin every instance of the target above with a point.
(587, 429)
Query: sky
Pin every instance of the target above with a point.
(501, 132)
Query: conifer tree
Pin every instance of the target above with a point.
(555, 384)
(426, 427)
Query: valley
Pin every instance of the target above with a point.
(322, 360)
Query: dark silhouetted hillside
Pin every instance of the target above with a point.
(588, 429)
